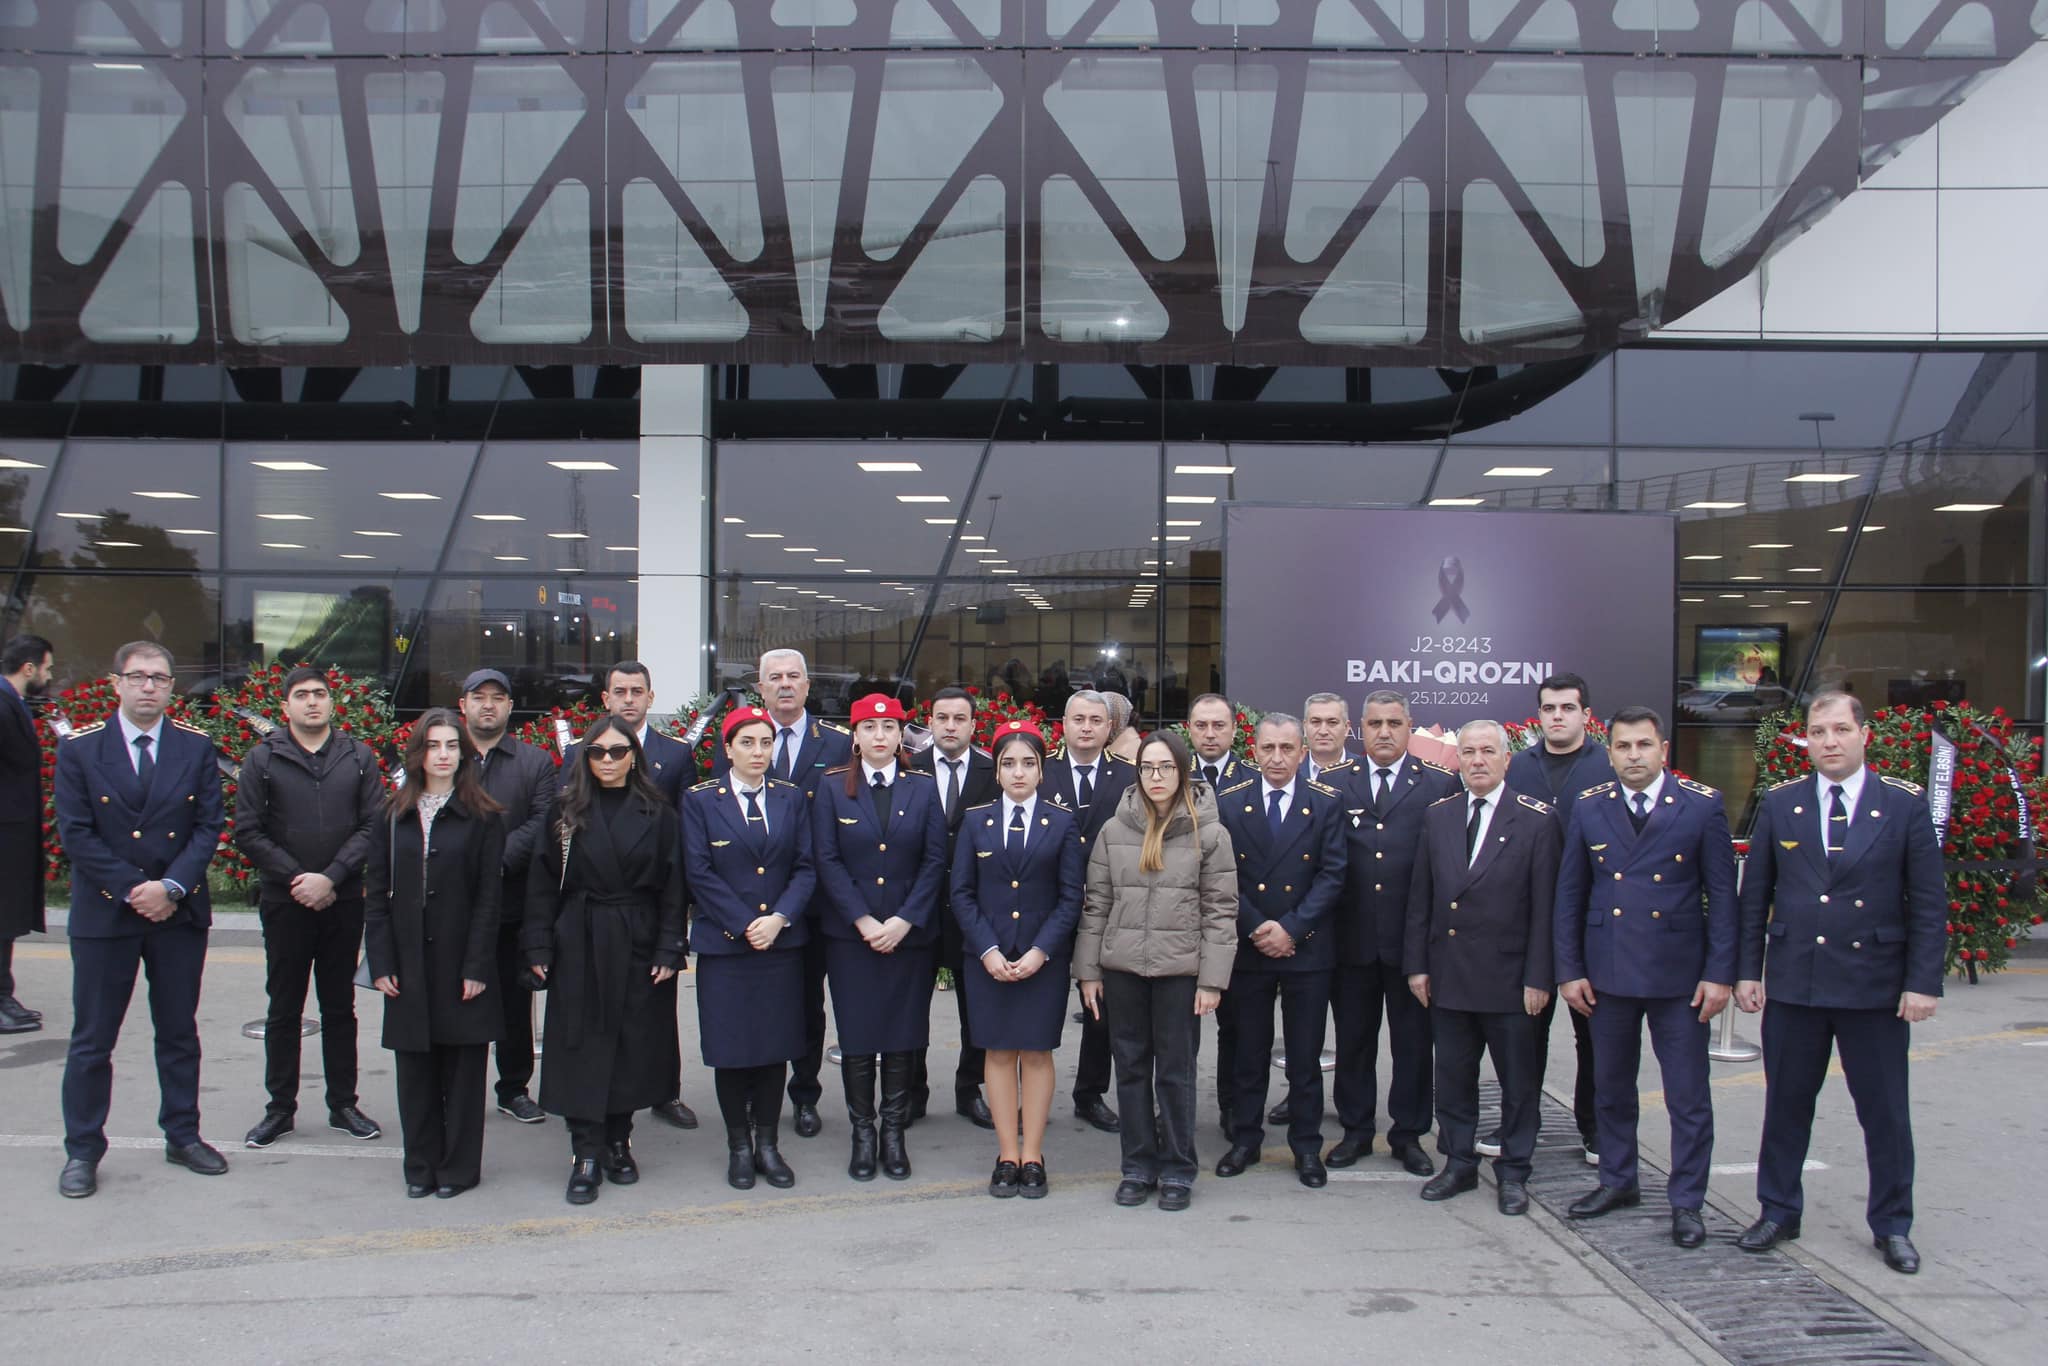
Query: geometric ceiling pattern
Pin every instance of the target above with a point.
(1253, 182)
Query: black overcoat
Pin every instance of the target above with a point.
(432, 922)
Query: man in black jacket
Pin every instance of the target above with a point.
(521, 779)
(305, 801)
(25, 667)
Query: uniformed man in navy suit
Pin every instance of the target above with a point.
(1645, 932)
(1384, 798)
(1290, 880)
(1843, 921)
(1212, 731)
(804, 748)
(1087, 782)
(1478, 954)
(140, 812)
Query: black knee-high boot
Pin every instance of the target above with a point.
(733, 1093)
(858, 1074)
(898, 1070)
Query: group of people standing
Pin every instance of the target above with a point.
(1177, 883)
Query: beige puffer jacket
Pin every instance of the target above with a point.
(1178, 922)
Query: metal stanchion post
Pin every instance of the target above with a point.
(539, 1020)
(1328, 1060)
(256, 1029)
(1726, 1047)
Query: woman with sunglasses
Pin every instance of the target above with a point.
(430, 937)
(747, 848)
(1158, 938)
(878, 833)
(1018, 872)
(604, 933)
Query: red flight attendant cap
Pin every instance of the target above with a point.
(878, 707)
(745, 716)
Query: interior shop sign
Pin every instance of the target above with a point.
(1462, 613)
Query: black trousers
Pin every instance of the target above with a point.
(1797, 1042)
(1091, 1072)
(1680, 1041)
(1226, 1060)
(804, 1087)
(1359, 993)
(589, 1137)
(298, 943)
(515, 1043)
(6, 965)
(967, 1072)
(1152, 1028)
(102, 983)
(1304, 1003)
(441, 1113)
(749, 1095)
(1461, 1035)
(1584, 1108)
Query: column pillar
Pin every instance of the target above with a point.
(675, 530)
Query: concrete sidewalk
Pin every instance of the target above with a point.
(309, 1251)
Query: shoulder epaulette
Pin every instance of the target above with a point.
(1701, 788)
(708, 782)
(778, 782)
(1239, 787)
(1786, 783)
(1596, 789)
(89, 730)
(1322, 787)
(1337, 768)
(1431, 763)
(1109, 758)
(903, 771)
(833, 772)
(834, 725)
(1900, 783)
(1525, 799)
(981, 806)
(184, 725)
(1441, 800)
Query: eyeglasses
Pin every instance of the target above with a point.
(610, 752)
(1157, 770)
(143, 680)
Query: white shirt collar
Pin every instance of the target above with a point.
(129, 731)
(1028, 806)
(1852, 787)
(1266, 791)
(1373, 767)
(1492, 799)
(940, 756)
(1653, 791)
(868, 772)
(801, 726)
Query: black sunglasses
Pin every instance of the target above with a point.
(610, 751)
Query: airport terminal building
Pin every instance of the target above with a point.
(932, 338)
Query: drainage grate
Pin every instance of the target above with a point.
(1756, 1310)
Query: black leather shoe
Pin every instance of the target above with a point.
(1278, 1115)
(1765, 1234)
(1131, 1193)
(268, 1130)
(739, 1166)
(447, 1192)
(808, 1125)
(895, 1157)
(1899, 1253)
(522, 1108)
(1346, 1152)
(1098, 1114)
(617, 1162)
(1031, 1184)
(1687, 1228)
(354, 1123)
(676, 1113)
(584, 1181)
(1604, 1200)
(1413, 1160)
(1174, 1198)
(861, 1166)
(1512, 1198)
(768, 1162)
(1002, 1182)
(201, 1157)
(1236, 1160)
(974, 1110)
(1449, 1182)
(416, 1192)
(79, 1179)
(16, 1018)
(1310, 1169)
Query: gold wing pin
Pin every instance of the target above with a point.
(849, 820)
(720, 844)
(1596, 848)
(1788, 844)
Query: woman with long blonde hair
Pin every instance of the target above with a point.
(1157, 940)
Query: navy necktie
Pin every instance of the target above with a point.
(785, 761)
(880, 789)
(1838, 821)
(952, 784)
(1276, 809)
(1641, 814)
(1472, 828)
(1013, 842)
(1087, 772)
(1379, 798)
(145, 765)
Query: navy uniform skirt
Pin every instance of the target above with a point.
(1026, 1016)
(750, 1007)
(881, 1002)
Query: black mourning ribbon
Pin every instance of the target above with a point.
(1450, 579)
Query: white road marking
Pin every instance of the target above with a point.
(283, 1149)
(1749, 1168)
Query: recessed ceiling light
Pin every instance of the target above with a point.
(965, 537)
(979, 550)
(828, 559)
(1516, 472)
(629, 549)
(891, 466)
(1771, 545)
(800, 549)
(1205, 469)
(995, 561)
(357, 556)
(81, 516)
(1746, 578)
(1703, 557)
(8, 462)
(1708, 505)
(1761, 604)
(734, 521)
(568, 569)
(809, 592)
(120, 545)
(497, 516)
(1819, 478)
(387, 535)
(1191, 498)
(942, 521)
(117, 66)
(282, 545)
(162, 493)
(288, 466)
(1456, 502)
(1799, 602)
(764, 535)
(1969, 507)
(282, 517)
(1148, 573)
(1878, 527)
(1809, 569)
(568, 535)
(578, 465)
(1005, 571)
(1729, 595)
(922, 498)
(870, 571)
(1173, 538)
(1195, 522)
(510, 559)
(1692, 599)
(412, 497)
(180, 531)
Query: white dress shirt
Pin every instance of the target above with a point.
(1653, 791)
(1493, 800)
(1010, 804)
(1266, 791)
(129, 731)
(1094, 767)
(760, 795)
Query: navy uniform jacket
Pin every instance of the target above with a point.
(821, 745)
(863, 870)
(1112, 776)
(1528, 773)
(1229, 771)
(1654, 914)
(1297, 880)
(1014, 905)
(736, 880)
(117, 836)
(1483, 933)
(669, 765)
(1854, 931)
(1380, 850)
